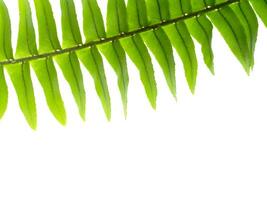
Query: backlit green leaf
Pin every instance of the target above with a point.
(48, 40)
(249, 22)
(20, 73)
(6, 51)
(138, 29)
(45, 69)
(5, 54)
(116, 17)
(182, 42)
(21, 79)
(233, 32)
(3, 93)
(158, 10)
(114, 52)
(94, 30)
(26, 45)
(160, 45)
(201, 29)
(93, 62)
(69, 63)
(47, 76)
(70, 28)
(260, 7)
(138, 53)
(185, 47)
(70, 66)
(93, 24)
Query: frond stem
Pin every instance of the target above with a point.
(122, 35)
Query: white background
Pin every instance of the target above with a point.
(208, 146)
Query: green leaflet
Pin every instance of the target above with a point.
(93, 24)
(114, 52)
(138, 53)
(202, 4)
(70, 66)
(155, 24)
(6, 52)
(21, 79)
(116, 17)
(26, 45)
(92, 60)
(260, 7)
(183, 43)
(158, 10)
(70, 28)
(233, 32)
(47, 76)
(48, 40)
(185, 47)
(117, 59)
(44, 68)
(69, 63)
(159, 44)
(249, 22)
(3, 93)
(201, 29)
(20, 73)
(137, 14)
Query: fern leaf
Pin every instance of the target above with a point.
(249, 21)
(70, 27)
(69, 63)
(183, 43)
(94, 64)
(137, 14)
(138, 53)
(48, 39)
(3, 93)
(116, 17)
(6, 51)
(160, 45)
(260, 7)
(21, 79)
(45, 68)
(47, 76)
(233, 32)
(91, 58)
(20, 73)
(158, 10)
(70, 66)
(115, 54)
(5, 54)
(93, 23)
(142, 27)
(26, 45)
(201, 29)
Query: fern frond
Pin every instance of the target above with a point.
(135, 29)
